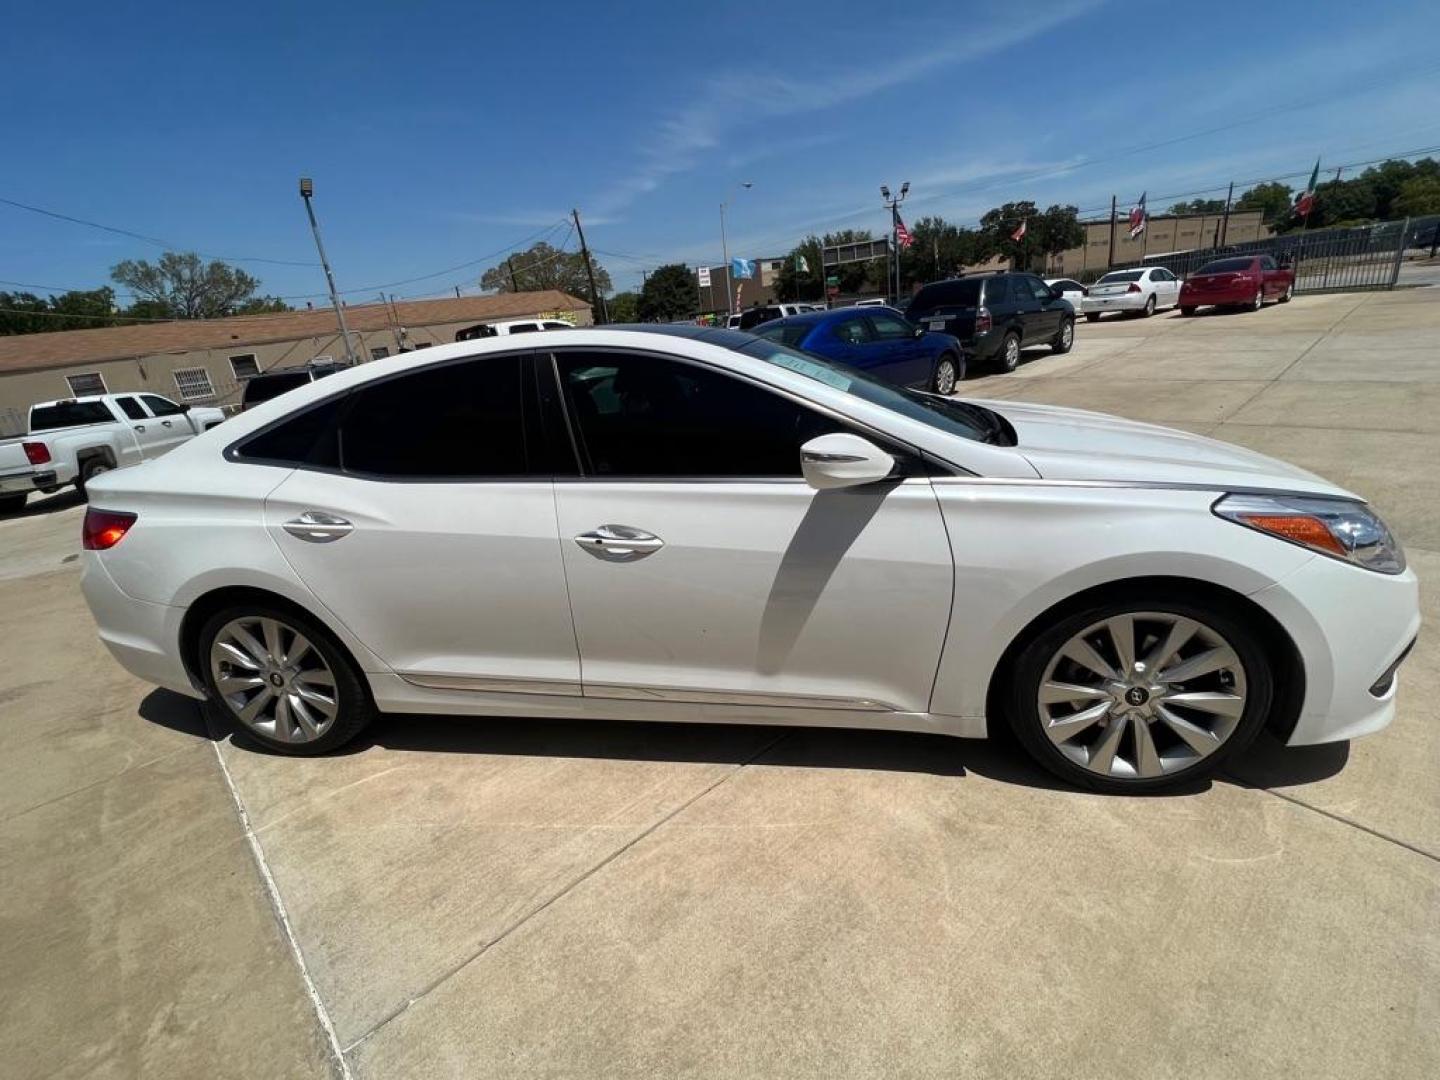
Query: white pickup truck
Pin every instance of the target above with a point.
(74, 439)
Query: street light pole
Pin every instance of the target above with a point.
(307, 189)
(725, 254)
(894, 207)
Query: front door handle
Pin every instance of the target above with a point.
(318, 527)
(166, 423)
(139, 427)
(619, 543)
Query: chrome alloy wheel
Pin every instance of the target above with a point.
(1012, 352)
(945, 377)
(274, 680)
(1141, 695)
(1067, 333)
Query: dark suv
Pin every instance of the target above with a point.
(276, 381)
(996, 315)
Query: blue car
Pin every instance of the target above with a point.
(878, 341)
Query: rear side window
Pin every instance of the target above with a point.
(69, 414)
(997, 290)
(306, 438)
(452, 421)
(962, 293)
(264, 387)
(131, 408)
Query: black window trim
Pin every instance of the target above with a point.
(235, 450)
(911, 460)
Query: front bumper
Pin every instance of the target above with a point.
(1350, 626)
(143, 637)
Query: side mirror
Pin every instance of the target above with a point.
(919, 331)
(840, 460)
(1057, 293)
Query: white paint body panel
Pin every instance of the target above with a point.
(885, 606)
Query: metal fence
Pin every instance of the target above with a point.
(1325, 260)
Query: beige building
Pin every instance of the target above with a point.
(205, 362)
(1164, 233)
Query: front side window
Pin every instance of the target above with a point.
(1034, 287)
(452, 421)
(161, 406)
(131, 408)
(639, 415)
(889, 328)
(853, 331)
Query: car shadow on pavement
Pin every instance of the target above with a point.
(1266, 764)
(35, 506)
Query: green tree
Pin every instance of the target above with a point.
(262, 305)
(670, 293)
(1199, 206)
(1272, 198)
(625, 307)
(184, 287)
(793, 283)
(26, 313)
(544, 267)
(1055, 229)
(938, 250)
(1418, 196)
(809, 284)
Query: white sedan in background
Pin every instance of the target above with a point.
(1070, 289)
(1142, 291)
(697, 524)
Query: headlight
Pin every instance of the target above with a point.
(1340, 528)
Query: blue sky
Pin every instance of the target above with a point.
(439, 133)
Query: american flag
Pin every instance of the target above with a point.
(902, 234)
(1019, 234)
(1137, 217)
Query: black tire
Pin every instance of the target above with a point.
(1008, 358)
(1092, 316)
(1149, 307)
(1028, 669)
(355, 708)
(1186, 312)
(13, 504)
(1065, 339)
(1288, 293)
(92, 468)
(1258, 302)
(938, 379)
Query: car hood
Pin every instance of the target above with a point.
(1072, 444)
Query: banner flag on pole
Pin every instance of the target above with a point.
(1306, 201)
(1138, 217)
(1019, 234)
(742, 268)
(902, 234)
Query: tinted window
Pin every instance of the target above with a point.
(1066, 285)
(997, 290)
(889, 328)
(1033, 286)
(1267, 263)
(641, 415)
(524, 328)
(852, 331)
(131, 408)
(756, 316)
(161, 406)
(944, 294)
(264, 387)
(306, 438)
(455, 420)
(1226, 266)
(1121, 275)
(69, 414)
(785, 333)
(558, 326)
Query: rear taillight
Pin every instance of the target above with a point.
(103, 529)
(982, 320)
(37, 452)
(1133, 287)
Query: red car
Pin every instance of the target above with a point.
(1239, 281)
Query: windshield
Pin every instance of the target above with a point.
(68, 414)
(785, 333)
(1225, 266)
(1122, 275)
(949, 415)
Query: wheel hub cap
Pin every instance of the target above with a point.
(274, 680)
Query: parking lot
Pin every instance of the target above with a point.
(562, 899)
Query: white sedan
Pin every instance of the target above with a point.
(1137, 292)
(696, 524)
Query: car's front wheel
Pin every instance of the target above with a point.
(283, 679)
(1133, 694)
(1289, 292)
(947, 374)
(1259, 301)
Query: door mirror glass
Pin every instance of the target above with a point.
(919, 331)
(842, 460)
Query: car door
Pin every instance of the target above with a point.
(1271, 276)
(703, 568)
(902, 359)
(150, 438)
(851, 340)
(174, 426)
(1167, 288)
(1043, 310)
(434, 538)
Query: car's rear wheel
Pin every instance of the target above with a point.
(1010, 351)
(1259, 301)
(1092, 316)
(1149, 306)
(88, 471)
(1131, 695)
(282, 679)
(1065, 339)
(1289, 292)
(947, 374)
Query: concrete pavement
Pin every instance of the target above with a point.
(565, 899)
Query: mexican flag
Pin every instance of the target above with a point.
(1306, 200)
(1019, 234)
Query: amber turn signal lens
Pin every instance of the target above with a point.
(1299, 528)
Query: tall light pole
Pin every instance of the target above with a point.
(725, 254)
(893, 205)
(307, 189)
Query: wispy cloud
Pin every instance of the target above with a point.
(735, 99)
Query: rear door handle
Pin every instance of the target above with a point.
(318, 527)
(619, 543)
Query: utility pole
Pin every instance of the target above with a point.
(595, 297)
(1225, 221)
(893, 204)
(510, 262)
(1110, 259)
(457, 292)
(725, 255)
(307, 189)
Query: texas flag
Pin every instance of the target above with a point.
(1306, 200)
(1019, 234)
(1138, 217)
(902, 234)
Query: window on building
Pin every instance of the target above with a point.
(131, 408)
(86, 385)
(379, 352)
(245, 366)
(193, 384)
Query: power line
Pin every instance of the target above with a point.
(77, 315)
(147, 239)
